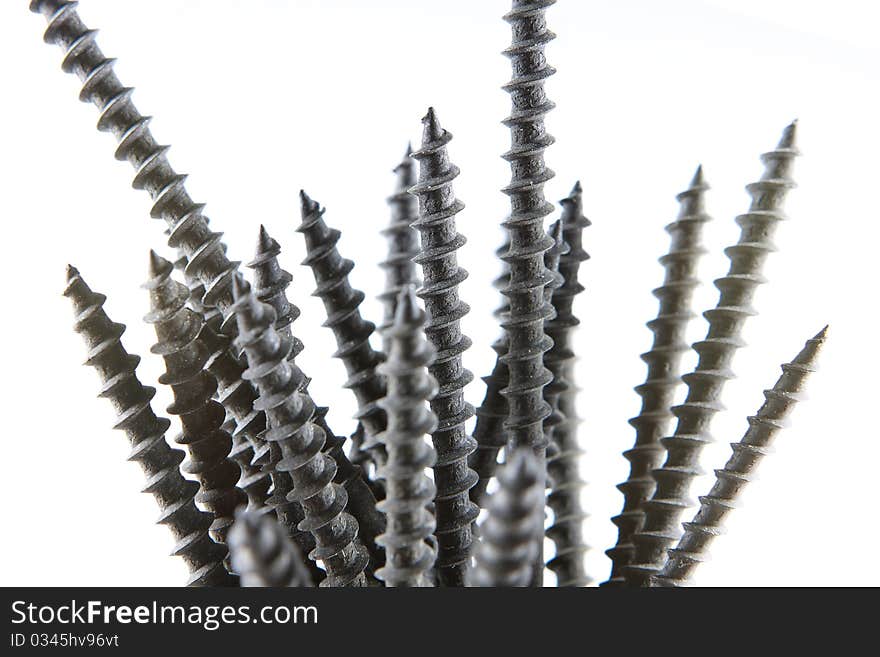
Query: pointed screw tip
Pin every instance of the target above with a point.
(822, 335)
(240, 287)
(72, 272)
(408, 311)
(432, 131)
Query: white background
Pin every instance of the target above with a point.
(262, 98)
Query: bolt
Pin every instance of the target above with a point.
(564, 461)
(146, 433)
(403, 242)
(352, 332)
(177, 329)
(442, 275)
(297, 442)
(509, 541)
(263, 555)
(705, 384)
(730, 481)
(664, 363)
(270, 286)
(409, 557)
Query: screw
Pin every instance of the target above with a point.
(177, 328)
(146, 432)
(489, 430)
(693, 546)
(270, 286)
(263, 555)
(563, 463)
(705, 384)
(664, 362)
(552, 360)
(524, 322)
(442, 275)
(509, 541)
(352, 332)
(403, 242)
(409, 557)
(298, 442)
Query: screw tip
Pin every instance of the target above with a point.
(432, 131)
(556, 232)
(699, 179)
(307, 205)
(789, 136)
(72, 272)
(158, 265)
(240, 287)
(265, 243)
(577, 189)
(822, 335)
(522, 467)
(408, 311)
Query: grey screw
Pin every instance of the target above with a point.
(563, 463)
(730, 481)
(524, 323)
(298, 442)
(409, 490)
(146, 432)
(552, 360)
(403, 242)
(509, 541)
(442, 275)
(705, 384)
(177, 329)
(664, 362)
(270, 286)
(341, 301)
(263, 555)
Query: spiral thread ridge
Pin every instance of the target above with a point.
(403, 243)
(442, 275)
(708, 523)
(508, 547)
(188, 229)
(552, 360)
(270, 286)
(263, 555)
(671, 496)
(664, 363)
(409, 556)
(131, 399)
(352, 332)
(297, 442)
(524, 322)
(177, 328)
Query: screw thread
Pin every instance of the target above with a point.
(409, 490)
(508, 548)
(442, 274)
(270, 286)
(705, 384)
(664, 363)
(489, 430)
(403, 243)
(563, 460)
(177, 329)
(297, 443)
(693, 547)
(552, 358)
(524, 322)
(188, 228)
(352, 332)
(263, 555)
(146, 433)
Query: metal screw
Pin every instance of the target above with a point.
(563, 463)
(509, 541)
(692, 549)
(263, 555)
(270, 286)
(341, 301)
(664, 363)
(403, 242)
(442, 275)
(705, 384)
(409, 557)
(298, 442)
(177, 329)
(146, 432)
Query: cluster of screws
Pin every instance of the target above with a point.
(282, 500)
